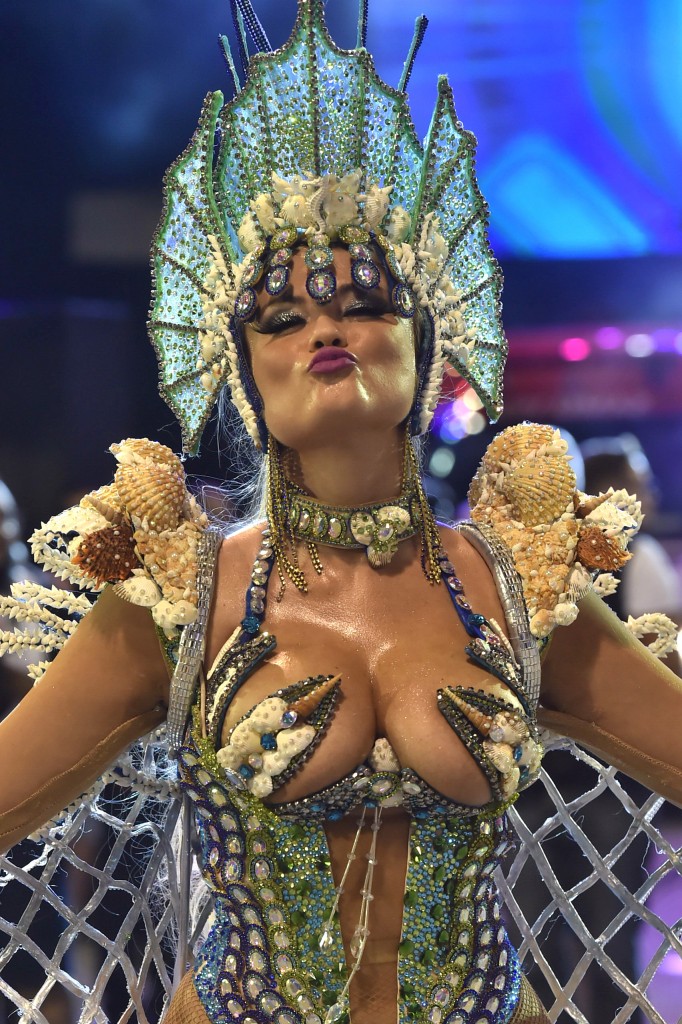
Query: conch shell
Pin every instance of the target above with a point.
(107, 502)
(478, 719)
(307, 704)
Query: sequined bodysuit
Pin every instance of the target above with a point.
(275, 952)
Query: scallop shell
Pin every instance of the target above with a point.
(307, 704)
(500, 755)
(363, 527)
(539, 489)
(107, 555)
(154, 492)
(274, 762)
(478, 719)
(139, 590)
(595, 551)
(260, 785)
(515, 443)
(379, 557)
(245, 739)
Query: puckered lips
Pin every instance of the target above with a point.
(331, 359)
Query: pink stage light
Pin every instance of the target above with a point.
(574, 349)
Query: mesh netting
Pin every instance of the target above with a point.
(593, 894)
(90, 929)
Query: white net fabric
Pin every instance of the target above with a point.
(89, 933)
(90, 924)
(594, 893)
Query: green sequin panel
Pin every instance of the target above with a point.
(447, 861)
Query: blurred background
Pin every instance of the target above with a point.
(577, 106)
(578, 110)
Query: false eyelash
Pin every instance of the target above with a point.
(278, 322)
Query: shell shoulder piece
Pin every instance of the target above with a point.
(139, 533)
(563, 543)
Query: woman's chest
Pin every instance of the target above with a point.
(393, 643)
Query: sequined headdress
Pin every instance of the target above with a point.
(316, 149)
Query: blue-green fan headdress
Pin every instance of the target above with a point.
(316, 148)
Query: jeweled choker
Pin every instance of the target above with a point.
(378, 527)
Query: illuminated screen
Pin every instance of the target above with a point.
(577, 104)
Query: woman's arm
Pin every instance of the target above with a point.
(601, 687)
(107, 687)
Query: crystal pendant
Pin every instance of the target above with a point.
(326, 939)
(357, 944)
(334, 1013)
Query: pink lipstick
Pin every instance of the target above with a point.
(329, 359)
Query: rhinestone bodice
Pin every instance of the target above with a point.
(275, 952)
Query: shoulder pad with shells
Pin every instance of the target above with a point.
(139, 533)
(564, 543)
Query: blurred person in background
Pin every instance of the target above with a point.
(650, 578)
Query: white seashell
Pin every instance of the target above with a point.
(260, 785)
(212, 345)
(274, 762)
(379, 557)
(183, 613)
(509, 782)
(244, 739)
(292, 741)
(139, 590)
(383, 757)
(164, 615)
(529, 753)
(613, 521)
(565, 613)
(507, 730)
(267, 715)
(363, 527)
(230, 758)
(605, 584)
(398, 517)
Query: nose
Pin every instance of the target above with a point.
(326, 331)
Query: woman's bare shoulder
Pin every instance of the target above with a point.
(472, 568)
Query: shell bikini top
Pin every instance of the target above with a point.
(272, 741)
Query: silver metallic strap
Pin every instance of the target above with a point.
(499, 560)
(192, 642)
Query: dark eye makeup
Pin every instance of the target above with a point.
(277, 322)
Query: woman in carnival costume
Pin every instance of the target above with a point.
(351, 738)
